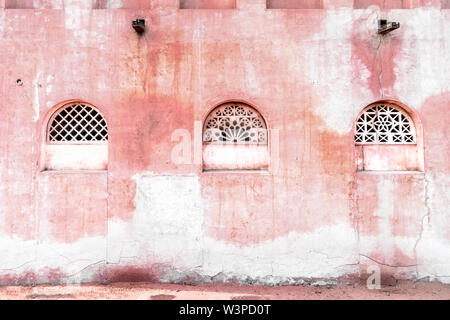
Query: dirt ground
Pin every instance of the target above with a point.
(157, 291)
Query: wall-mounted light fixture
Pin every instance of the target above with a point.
(138, 25)
(385, 27)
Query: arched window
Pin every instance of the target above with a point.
(384, 123)
(235, 123)
(235, 138)
(76, 138)
(77, 123)
(386, 139)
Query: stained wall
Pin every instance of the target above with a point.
(309, 72)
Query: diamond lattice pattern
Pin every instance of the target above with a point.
(78, 123)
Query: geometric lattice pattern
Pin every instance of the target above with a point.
(77, 123)
(235, 123)
(384, 124)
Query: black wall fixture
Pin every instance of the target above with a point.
(385, 27)
(138, 25)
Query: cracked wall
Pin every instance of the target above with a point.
(309, 73)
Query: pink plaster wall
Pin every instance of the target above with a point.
(207, 4)
(309, 72)
(294, 4)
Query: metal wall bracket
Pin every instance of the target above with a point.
(385, 27)
(138, 25)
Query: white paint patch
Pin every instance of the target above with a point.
(328, 252)
(78, 260)
(72, 17)
(421, 64)
(362, 94)
(333, 80)
(77, 14)
(433, 246)
(2, 22)
(385, 208)
(167, 221)
(76, 157)
(433, 253)
(167, 228)
(114, 4)
(44, 4)
(364, 75)
(49, 86)
(235, 157)
(384, 245)
(36, 105)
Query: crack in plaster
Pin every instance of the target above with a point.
(427, 217)
(18, 267)
(380, 58)
(388, 265)
(380, 73)
(86, 267)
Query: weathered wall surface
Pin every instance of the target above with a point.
(309, 73)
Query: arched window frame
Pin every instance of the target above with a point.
(57, 113)
(418, 146)
(71, 156)
(261, 159)
(254, 120)
(388, 136)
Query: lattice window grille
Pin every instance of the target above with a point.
(384, 124)
(235, 123)
(77, 123)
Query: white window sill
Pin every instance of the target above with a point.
(45, 171)
(390, 172)
(263, 172)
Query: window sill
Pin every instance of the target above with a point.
(294, 9)
(390, 172)
(261, 172)
(35, 9)
(112, 9)
(211, 9)
(45, 171)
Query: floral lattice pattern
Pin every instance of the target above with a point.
(384, 124)
(235, 123)
(77, 123)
